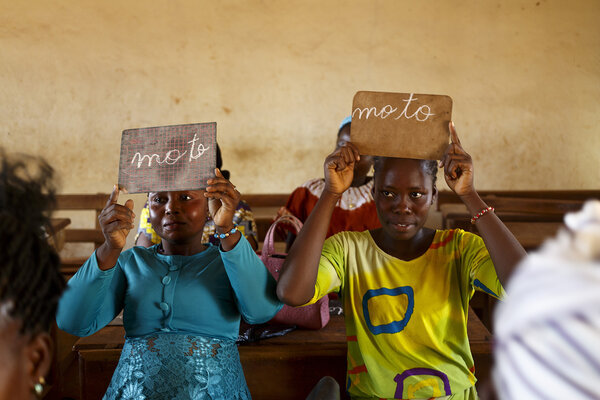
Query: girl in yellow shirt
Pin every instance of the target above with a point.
(405, 288)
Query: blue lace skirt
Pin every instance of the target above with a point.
(178, 366)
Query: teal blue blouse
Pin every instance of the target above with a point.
(203, 294)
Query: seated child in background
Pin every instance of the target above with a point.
(547, 339)
(243, 218)
(182, 299)
(355, 209)
(30, 281)
(405, 288)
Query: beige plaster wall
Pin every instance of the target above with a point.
(278, 76)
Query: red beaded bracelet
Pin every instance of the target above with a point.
(481, 213)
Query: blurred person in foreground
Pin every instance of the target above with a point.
(30, 282)
(547, 339)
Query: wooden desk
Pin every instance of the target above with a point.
(285, 367)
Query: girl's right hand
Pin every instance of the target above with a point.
(339, 168)
(116, 221)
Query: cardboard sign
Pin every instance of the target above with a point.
(403, 125)
(168, 158)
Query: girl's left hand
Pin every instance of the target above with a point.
(223, 199)
(458, 166)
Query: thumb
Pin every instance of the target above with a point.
(129, 204)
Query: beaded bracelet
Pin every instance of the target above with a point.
(226, 234)
(481, 213)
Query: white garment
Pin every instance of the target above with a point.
(547, 331)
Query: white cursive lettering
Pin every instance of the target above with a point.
(171, 156)
(421, 114)
(201, 149)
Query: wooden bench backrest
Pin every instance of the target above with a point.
(264, 208)
(532, 218)
(446, 197)
(81, 202)
(533, 206)
(95, 202)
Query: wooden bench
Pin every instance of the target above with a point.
(264, 208)
(448, 197)
(531, 220)
(284, 367)
(91, 204)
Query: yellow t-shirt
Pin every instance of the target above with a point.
(406, 321)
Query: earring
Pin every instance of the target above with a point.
(38, 388)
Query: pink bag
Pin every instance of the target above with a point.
(315, 316)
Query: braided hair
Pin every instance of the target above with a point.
(30, 281)
(429, 166)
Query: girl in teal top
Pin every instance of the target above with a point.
(181, 299)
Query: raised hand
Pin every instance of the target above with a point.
(339, 168)
(223, 199)
(116, 221)
(458, 166)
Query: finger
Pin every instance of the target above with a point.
(216, 181)
(453, 135)
(442, 161)
(118, 225)
(335, 161)
(331, 163)
(220, 187)
(347, 156)
(116, 211)
(113, 219)
(448, 167)
(225, 200)
(213, 195)
(228, 196)
(218, 196)
(351, 155)
(458, 156)
(354, 149)
(114, 196)
(454, 148)
(340, 163)
(446, 162)
(457, 166)
(218, 178)
(453, 171)
(129, 204)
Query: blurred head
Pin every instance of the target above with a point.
(178, 217)
(404, 190)
(361, 168)
(30, 281)
(220, 163)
